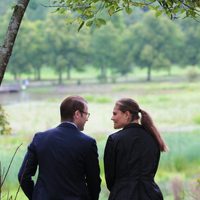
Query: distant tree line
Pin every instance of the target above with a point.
(127, 41)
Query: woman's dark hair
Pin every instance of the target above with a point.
(69, 106)
(128, 104)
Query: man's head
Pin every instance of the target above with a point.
(74, 109)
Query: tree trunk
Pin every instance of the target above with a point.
(15, 21)
(169, 71)
(60, 81)
(38, 74)
(15, 76)
(68, 72)
(103, 75)
(149, 73)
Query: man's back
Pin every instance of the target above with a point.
(68, 165)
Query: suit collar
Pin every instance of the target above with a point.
(68, 125)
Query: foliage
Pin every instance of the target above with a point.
(4, 124)
(104, 40)
(191, 37)
(148, 46)
(192, 73)
(125, 44)
(91, 12)
(67, 48)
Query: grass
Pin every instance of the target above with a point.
(90, 73)
(182, 160)
(196, 118)
(174, 107)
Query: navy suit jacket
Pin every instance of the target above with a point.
(68, 166)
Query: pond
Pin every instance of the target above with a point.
(53, 92)
(25, 96)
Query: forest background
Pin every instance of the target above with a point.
(153, 60)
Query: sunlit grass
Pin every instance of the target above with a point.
(173, 106)
(98, 99)
(89, 72)
(196, 119)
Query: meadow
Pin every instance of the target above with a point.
(174, 106)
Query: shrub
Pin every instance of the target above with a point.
(192, 74)
(4, 124)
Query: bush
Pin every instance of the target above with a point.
(4, 124)
(192, 74)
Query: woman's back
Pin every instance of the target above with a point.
(131, 160)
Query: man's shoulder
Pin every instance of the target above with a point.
(87, 137)
(56, 129)
(42, 134)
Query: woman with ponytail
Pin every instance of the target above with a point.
(132, 154)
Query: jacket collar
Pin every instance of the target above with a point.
(68, 125)
(133, 125)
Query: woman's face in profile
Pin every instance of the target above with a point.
(120, 118)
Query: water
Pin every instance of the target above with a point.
(53, 92)
(26, 96)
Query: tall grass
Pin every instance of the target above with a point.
(173, 106)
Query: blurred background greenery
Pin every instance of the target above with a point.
(152, 60)
(48, 49)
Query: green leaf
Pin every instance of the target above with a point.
(81, 25)
(128, 10)
(89, 23)
(62, 10)
(158, 13)
(101, 21)
(111, 10)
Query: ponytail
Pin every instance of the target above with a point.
(128, 104)
(147, 122)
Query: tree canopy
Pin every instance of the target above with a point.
(94, 13)
(125, 44)
(90, 12)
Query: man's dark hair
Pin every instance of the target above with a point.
(70, 105)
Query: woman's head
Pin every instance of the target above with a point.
(126, 110)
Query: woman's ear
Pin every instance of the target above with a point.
(128, 116)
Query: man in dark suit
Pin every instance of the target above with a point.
(67, 159)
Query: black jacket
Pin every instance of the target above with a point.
(68, 166)
(131, 160)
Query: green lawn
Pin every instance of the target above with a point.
(174, 107)
(91, 74)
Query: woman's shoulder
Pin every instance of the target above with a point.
(133, 129)
(133, 126)
(116, 135)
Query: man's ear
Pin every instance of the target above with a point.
(77, 114)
